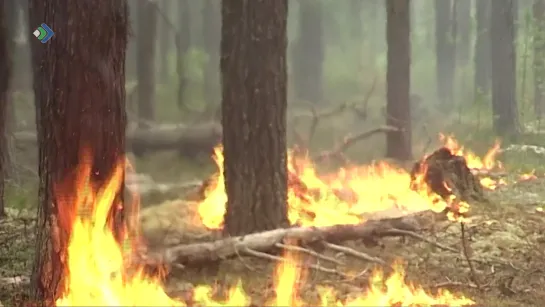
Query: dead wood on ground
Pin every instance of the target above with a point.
(312, 239)
(189, 141)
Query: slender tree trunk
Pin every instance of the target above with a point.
(183, 43)
(145, 65)
(19, 75)
(308, 52)
(165, 38)
(539, 57)
(503, 55)
(5, 78)
(212, 32)
(445, 52)
(254, 114)
(482, 64)
(79, 87)
(464, 31)
(398, 79)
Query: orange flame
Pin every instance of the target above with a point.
(98, 271)
(349, 195)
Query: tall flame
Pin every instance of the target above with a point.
(99, 273)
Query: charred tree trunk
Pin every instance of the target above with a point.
(165, 36)
(482, 64)
(463, 47)
(539, 57)
(145, 64)
(89, 69)
(254, 114)
(5, 77)
(211, 32)
(503, 55)
(308, 52)
(398, 79)
(445, 43)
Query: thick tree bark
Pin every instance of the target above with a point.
(254, 114)
(79, 85)
(165, 39)
(463, 47)
(145, 64)
(308, 52)
(211, 32)
(539, 57)
(398, 79)
(482, 62)
(503, 55)
(445, 42)
(5, 78)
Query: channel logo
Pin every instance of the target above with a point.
(43, 33)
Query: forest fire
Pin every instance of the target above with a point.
(99, 271)
(347, 195)
(476, 163)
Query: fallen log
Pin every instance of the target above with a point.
(369, 232)
(189, 141)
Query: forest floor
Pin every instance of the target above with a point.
(507, 239)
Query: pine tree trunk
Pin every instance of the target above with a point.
(145, 65)
(482, 62)
(398, 79)
(211, 33)
(503, 55)
(165, 41)
(464, 32)
(79, 87)
(254, 110)
(539, 57)
(445, 52)
(5, 78)
(308, 52)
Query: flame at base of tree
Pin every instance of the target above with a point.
(347, 196)
(99, 270)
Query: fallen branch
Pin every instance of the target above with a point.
(187, 140)
(368, 232)
(353, 253)
(414, 235)
(316, 267)
(340, 149)
(467, 254)
(295, 248)
(317, 116)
